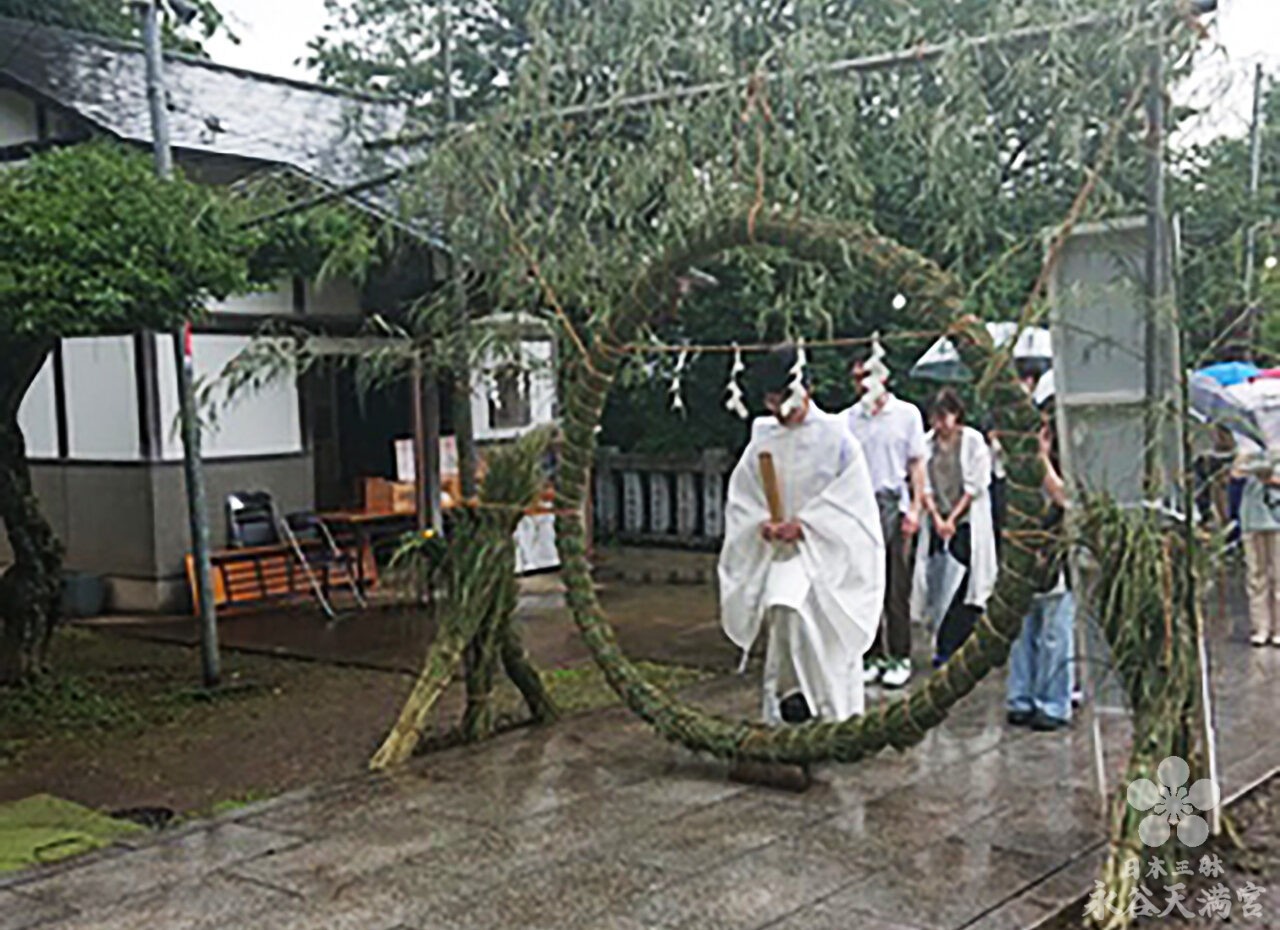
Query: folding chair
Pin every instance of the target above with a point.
(253, 520)
(327, 554)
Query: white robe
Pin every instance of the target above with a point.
(821, 597)
(933, 591)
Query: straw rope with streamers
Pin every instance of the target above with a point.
(759, 348)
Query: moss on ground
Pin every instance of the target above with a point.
(42, 829)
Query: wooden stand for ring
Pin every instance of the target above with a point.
(780, 776)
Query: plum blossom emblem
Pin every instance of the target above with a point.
(1173, 805)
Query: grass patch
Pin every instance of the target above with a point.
(67, 705)
(235, 803)
(105, 686)
(583, 688)
(43, 829)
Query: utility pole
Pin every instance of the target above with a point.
(1157, 274)
(192, 466)
(463, 427)
(1255, 178)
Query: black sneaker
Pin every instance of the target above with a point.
(795, 709)
(1019, 718)
(1043, 723)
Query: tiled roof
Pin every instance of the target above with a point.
(214, 109)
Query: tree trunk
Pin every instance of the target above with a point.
(31, 588)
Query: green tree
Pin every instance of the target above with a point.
(115, 18)
(1209, 188)
(394, 46)
(969, 159)
(91, 243)
(103, 18)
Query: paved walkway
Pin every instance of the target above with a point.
(594, 823)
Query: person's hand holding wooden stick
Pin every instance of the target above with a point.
(778, 528)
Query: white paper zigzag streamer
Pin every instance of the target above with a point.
(677, 401)
(877, 371)
(795, 387)
(733, 391)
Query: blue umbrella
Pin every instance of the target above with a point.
(1229, 373)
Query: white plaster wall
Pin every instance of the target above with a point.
(17, 118)
(102, 398)
(266, 422)
(542, 391)
(38, 415)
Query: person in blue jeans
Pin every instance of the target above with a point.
(1042, 658)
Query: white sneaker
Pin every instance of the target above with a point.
(1275, 639)
(1258, 639)
(896, 673)
(871, 671)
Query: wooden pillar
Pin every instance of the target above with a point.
(426, 447)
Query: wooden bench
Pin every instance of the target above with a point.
(255, 575)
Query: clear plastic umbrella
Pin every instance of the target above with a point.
(1261, 398)
(942, 362)
(1214, 403)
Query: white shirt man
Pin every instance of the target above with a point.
(815, 578)
(891, 433)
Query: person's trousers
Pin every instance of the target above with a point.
(893, 638)
(1235, 497)
(960, 618)
(999, 493)
(1262, 553)
(1042, 658)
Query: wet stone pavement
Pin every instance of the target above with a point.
(596, 823)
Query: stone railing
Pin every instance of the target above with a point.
(660, 500)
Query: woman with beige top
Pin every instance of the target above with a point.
(1260, 528)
